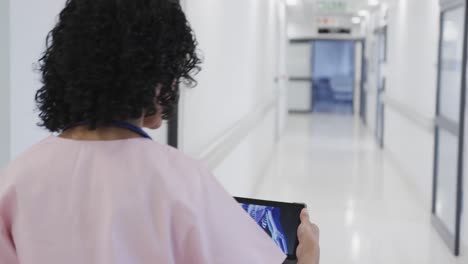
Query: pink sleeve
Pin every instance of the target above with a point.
(7, 202)
(221, 231)
(7, 250)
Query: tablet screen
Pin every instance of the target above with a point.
(279, 220)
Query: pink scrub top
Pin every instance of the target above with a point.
(130, 201)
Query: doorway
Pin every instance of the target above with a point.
(448, 154)
(333, 76)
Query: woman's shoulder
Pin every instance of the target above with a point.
(23, 160)
(159, 156)
(171, 155)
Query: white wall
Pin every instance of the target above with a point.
(412, 81)
(4, 82)
(242, 170)
(239, 43)
(30, 23)
(226, 89)
(161, 134)
(283, 42)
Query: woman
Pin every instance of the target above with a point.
(102, 191)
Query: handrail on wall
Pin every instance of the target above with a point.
(216, 152)
(422, 120)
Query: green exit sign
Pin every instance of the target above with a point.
(332, 6)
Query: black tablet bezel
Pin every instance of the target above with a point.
(299, 206)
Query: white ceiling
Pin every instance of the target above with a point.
(305, 10)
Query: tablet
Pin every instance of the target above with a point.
(279, 220)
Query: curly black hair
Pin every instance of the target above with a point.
(104, 60)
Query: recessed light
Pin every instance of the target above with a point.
(373, 2)
(292, 2)
(356, 20)
(363, 13)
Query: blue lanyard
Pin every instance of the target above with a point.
(133, 128)
(123, 125)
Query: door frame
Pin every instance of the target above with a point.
(362, 93)
(380, 115)
(452, 240)
(382, 34)
(173, 122)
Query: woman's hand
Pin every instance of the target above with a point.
(308, 251)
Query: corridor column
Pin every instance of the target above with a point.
(4, 82)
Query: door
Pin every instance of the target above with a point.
(299, 84)
(333, 76)
(448, 157)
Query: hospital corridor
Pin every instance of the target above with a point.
(354, 109)
(359, 197)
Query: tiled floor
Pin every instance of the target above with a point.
(366, 213)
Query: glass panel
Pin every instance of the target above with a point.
(297, 62)
(451, 63)
(446, 202)
(333, 74)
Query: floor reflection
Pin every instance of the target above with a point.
(366, 212)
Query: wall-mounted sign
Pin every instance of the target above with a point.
(332, 6)
(327, 21)
(333, 21)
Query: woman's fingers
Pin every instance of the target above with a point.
(308, 251)
(305, 215)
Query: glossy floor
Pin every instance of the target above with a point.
(366, 213)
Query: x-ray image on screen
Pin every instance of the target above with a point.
(269, 218)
